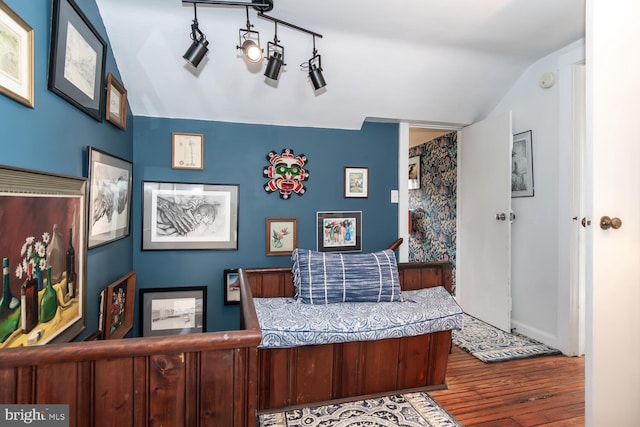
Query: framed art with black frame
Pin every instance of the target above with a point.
(339, 231)
(189, 216)
(77, 59)
(522, 165)
(356, 182)
(110, 180)
(173, 311)
(231, 287)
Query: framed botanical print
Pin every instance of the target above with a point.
(77, 59)
(16, 57)
(281, 236)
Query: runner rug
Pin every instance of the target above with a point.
(491, 344)
(405, 410)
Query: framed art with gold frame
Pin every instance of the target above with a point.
(16, 68)
(281, 236)
(118, 307)
(116, 102)
(187, 151)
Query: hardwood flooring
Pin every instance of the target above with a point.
(542, 391)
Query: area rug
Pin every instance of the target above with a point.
(404, 410)
(491, 344)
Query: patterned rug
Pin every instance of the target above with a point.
(491, 344)
(404, 410)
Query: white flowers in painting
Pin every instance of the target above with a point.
(35, 253)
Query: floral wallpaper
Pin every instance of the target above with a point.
(432, 207)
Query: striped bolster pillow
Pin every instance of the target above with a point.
(325, 278)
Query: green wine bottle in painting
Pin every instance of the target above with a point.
(9, 306)
(49, 302)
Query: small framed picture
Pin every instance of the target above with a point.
(77, 59)
(231, 287)
(118, 306)
(173, 311)
(414, 172)
(16, 50)
(339, 231)
(356, 182)
(281, 236)
(187, 151)
(116, 102)
(522, 165)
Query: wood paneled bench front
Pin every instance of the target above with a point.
(319, 373)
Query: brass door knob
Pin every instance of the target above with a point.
(607, 223)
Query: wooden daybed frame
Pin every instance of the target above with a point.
(301, 375)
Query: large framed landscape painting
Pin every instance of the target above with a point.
(43, 250)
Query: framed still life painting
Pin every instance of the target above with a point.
(43, 249)
(118, 306)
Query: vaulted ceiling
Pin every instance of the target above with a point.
(421, 61)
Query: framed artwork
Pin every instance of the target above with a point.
(339, 231)
(118, 307)
(281, 236)
(44, 250)
(110, 180)
(16, 57)
(77, 59)
(231, 287)
(116, 102)
(414, 172)
(187, 151)
(173, 311)
(356, 182)
(189, 216)
(522, 165)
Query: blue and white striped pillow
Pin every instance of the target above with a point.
(325, 278)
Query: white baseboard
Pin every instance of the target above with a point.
(536, 334)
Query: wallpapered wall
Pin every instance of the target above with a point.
(433, 205)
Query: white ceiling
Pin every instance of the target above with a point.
(422, 61)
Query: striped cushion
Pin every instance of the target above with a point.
(325, 278)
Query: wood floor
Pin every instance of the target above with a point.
(543, 391)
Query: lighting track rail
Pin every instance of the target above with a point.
(259, 5)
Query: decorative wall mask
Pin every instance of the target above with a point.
(286, 173)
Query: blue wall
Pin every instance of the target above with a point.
(236, 154)
(54, 136)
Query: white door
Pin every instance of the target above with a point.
(613, 289)
(483, 257)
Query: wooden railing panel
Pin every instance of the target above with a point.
(413, 361)
(166, 390)
(380, 370)
(113, 400)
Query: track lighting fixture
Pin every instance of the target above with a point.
(198, 48)
(249, 42)
(315, 69)
(275, 53)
